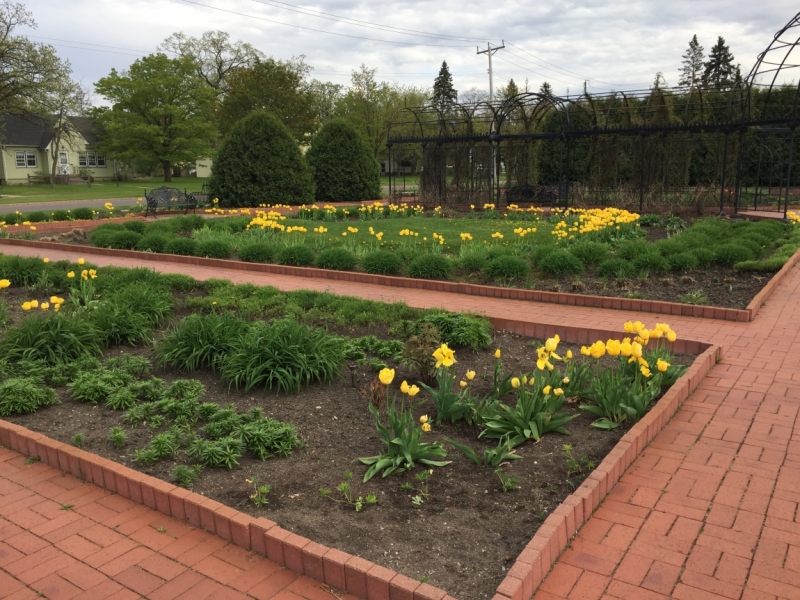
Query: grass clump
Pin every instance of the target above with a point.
(560, 262)
(51, 338)
(199, 341)
(282, 356)
(729, 254)
(124, 240)
(651, 262)
(298, 255)
(508, 268)
(181, 246)
(474, 261)
(257, 253)
(337, 259)
(21, 395)
(618, 268)
(382, 262)
(590, 253)
(152, 242)
(430, 266)
(684, 261)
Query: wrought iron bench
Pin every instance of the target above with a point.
(541, 194)
(169, 198)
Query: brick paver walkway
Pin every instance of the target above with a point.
(710, 508)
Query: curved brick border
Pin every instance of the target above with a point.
(356, 575)
(633, 304)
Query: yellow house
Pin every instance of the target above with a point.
(26, 152)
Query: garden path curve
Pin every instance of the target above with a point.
(708, 510)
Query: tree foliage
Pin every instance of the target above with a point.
(720, 72)
(691, 72)
(260, 162)
(161, 111)
(444, 94)
(214, 55)
(271, 85)
(344, 168)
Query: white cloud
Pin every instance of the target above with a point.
(623, 43)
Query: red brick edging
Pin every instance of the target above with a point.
(356, 575)
(652, 306)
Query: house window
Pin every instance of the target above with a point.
(25, 158)
(91, 159)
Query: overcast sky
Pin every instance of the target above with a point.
(616, 44)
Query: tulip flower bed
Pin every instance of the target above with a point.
(421, 440)
(601, 252)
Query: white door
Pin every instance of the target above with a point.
(63, 163)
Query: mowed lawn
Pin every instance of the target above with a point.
(16, 194)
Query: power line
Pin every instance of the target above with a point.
(534, 72)
(97, 46)
(340, 19)
(357, 37)
(565, 71)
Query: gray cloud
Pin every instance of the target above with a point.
(623, 43)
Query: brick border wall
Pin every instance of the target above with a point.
(356, 575)
(652, 306)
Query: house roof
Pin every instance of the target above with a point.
(31, 130)
(16, 130)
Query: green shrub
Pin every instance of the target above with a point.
(337, 259)
(430, 266)
(186, 223)
(633, 249)
(769, 265)
(590, 253)
(149, 298)
(652, 262)
(651, 220)
(181, 245)
(259, 162)
(732, 253)
(101, 236)
(685, 261)
(119, 324)
(616, 267)
(474, 261)
(560, 262)
(752, 245)
(97, 386)
(540, 253)
(21, 271)
(20, 395)
(214, 249)
(178, 282)
(124, 240)
(508, 268)
(60, 215)
(152, 242)
(705, 257)
(344, 168)
(461, 330)
(261, 253)
(282, 356)
(83, 214)
(11, 218)
(298, 255)
(137, 226)
(52, 338)
(199, 341)
(37, 217)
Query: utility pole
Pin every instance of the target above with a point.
(489, 51)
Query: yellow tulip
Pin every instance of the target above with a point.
(81, 261)
(462, 383)
(628, 326)
(470, 375)
(404, 388)
(515, 382)
(558, 391)
(672, 336)
(497, 353)
(636, 349)
(423, 419)
(45, 260)
(565, 380)
(613, 347)
(645, 371)
(426, 427)
(413, 391)
(34, 304)
(26, 306)
(597, 350)
(546, 390)
(444, 356)
(44, 305)
(386, 376)
(625, 347)
(662, 365)
(551, 344)
(569, 354)
(84, 274)
(4, 283)
(524, 379)
(585, 351)
(531, 381)
(71, 274)
(92, 273)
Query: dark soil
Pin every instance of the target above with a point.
(464, 537)
(713, 286)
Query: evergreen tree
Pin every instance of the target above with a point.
(693, 64)
(546, 90)
(720, 71)
(444, 94)
(343, 165)
(509, 91)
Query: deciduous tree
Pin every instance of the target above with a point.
(160, 111)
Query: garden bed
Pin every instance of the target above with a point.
(463, 536)
(692, 267)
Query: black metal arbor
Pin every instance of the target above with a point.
(672, 147)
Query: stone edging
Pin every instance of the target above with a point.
(56, 226)
(356, 575)
(633, 304)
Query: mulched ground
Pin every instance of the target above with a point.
(463, 538)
